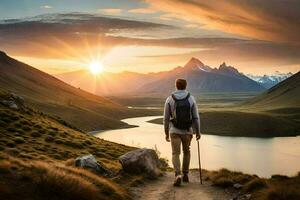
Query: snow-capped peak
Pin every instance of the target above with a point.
(270, 80)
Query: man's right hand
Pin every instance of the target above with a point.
(167, 138)
(198, 136)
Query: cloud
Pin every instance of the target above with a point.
(142, 11)
(191, 26)
(66, 35)
(76, 36)
(46, 7)
(111, 11)
(272, 20)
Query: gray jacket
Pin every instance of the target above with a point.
(169, 108)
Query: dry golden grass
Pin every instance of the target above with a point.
(275, 188)
(51, 180)
(37, 155)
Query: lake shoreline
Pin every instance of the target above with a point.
(218, 151)
(244, 124)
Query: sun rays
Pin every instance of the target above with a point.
(96, 67)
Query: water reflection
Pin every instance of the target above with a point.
(260, 156)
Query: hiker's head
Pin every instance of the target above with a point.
(180, 84)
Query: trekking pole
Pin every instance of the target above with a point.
(199, 161)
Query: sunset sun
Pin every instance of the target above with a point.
(96, 67)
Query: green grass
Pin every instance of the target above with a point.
(205, 100)
(242, 123)
(32, 132)
(284, 95)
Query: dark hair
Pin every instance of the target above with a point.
(180, 84)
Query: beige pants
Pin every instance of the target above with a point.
(176, 141)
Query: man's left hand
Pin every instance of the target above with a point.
(167, 138)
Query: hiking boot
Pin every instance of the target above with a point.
(185, 178)
(177, 180)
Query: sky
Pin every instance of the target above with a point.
(57, 36)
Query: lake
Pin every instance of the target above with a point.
(261, 156)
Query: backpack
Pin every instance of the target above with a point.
(182, 117)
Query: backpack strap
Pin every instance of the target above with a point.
(174, 98)
(187, 96)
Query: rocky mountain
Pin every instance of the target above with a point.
(194, 64)
(269, 81)
(201, 78)
(50, 95)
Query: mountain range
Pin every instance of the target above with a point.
(201, 79)
(52, 96)
(269, 81)
(285, 94)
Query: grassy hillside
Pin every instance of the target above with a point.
(37, 155)
(50, 95)
(284, 95)
(33, 135)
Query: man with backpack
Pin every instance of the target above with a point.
(181, 120)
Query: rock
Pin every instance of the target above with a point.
(141, 161)
(10, 104)
(237, 186)
(18, 99)
(13, 101)
(90, 162)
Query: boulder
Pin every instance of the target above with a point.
(10, 104)
(141, 161)
(13, 101)
(18, 99)
(90, 162)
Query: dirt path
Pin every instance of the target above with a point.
(162, 189)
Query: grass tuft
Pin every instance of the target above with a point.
(279, 193)
(40, 180)
(255, 184)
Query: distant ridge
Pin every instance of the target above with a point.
(201, 78)
(50, 95)
(269, 81)
(286, 94)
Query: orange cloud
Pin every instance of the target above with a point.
(66, 39)
(111, 11)
(191, 26)
(272, 20)
(142, 11)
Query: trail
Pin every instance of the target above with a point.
(163, 189)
